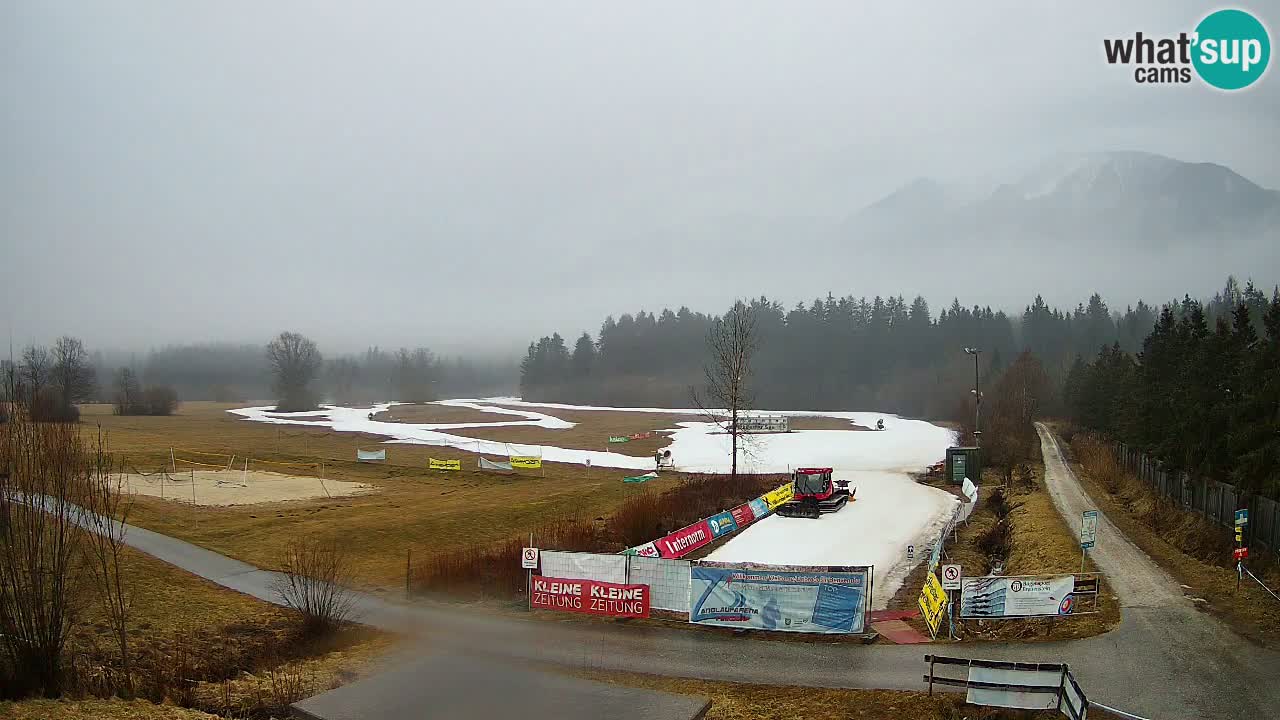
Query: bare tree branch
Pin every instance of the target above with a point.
(732, 343)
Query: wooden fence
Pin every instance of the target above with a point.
(1216, 501)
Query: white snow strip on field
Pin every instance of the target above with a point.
(357, 420)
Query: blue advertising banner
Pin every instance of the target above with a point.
(789, 599)
(759, 507)
(722, 524)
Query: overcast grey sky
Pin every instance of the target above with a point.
(479, 173)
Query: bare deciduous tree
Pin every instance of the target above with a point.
(34, 371)
(732, 344)
(342, 374)
(72, 374)
(44, 475)
(295, 362)
(108, 508)
(128, 396)
(160, 400)
(315, 580)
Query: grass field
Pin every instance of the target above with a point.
(431, 413)
(592, 431)
(740, 701)
(204, 646)
(411, 506)
(97, 710)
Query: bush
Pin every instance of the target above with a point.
(160, 400)
(315, 581)
(48, 406)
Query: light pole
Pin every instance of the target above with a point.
(977, 396)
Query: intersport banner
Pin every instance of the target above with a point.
(434, 464)
(1014, 597)
(685, 540)
(590, 597)
(788, 599)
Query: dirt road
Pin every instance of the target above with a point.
(1165, 650)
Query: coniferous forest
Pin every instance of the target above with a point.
(1195, 383)
(1202, 394)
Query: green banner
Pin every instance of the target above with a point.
(640, 478)
(619, 439)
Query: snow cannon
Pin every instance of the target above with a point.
(813, 493)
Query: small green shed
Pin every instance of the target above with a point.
(964, 462)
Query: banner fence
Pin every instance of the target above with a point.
(819, 599)
(668, 580)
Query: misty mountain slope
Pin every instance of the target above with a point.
(1112, 200)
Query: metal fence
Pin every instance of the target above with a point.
(1216, 501)
(668, 580)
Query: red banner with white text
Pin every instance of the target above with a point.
(685, 540)
(590, 597)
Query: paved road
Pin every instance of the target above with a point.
(1165, 660)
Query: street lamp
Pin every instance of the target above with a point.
(977, 395)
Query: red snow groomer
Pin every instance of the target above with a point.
(813, 492)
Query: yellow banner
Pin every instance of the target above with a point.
(526, 461)
(933, 602)
(435, 464)
(779, 496)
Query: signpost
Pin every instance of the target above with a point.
(911, 553)
(932, 602)
(529, 558)
(950, 577)
(1088, 533)
(529, 562)
(1241, 551)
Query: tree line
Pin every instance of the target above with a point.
(52, 380)
(238, 373)
(1202, 395)
(832, 353)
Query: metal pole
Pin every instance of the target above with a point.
(977, 404)
(528, 579)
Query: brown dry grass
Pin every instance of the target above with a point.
(429, 413)
(492, 570)
(592, 431)
(1041, 543)
(1194, 552)
(167, 600)
(97, 710)
(428, 511)
(740, 701)
(170, 605)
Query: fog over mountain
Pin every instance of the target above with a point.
(473, 176)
